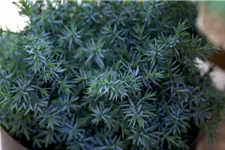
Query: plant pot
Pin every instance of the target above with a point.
(218, 142)
(8, 143)
(196, 139)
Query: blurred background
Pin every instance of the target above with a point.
(9, 16)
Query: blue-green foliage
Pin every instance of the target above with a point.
(108, 76)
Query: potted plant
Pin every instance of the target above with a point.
(110, 75)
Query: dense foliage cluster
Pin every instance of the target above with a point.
(108, 76)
